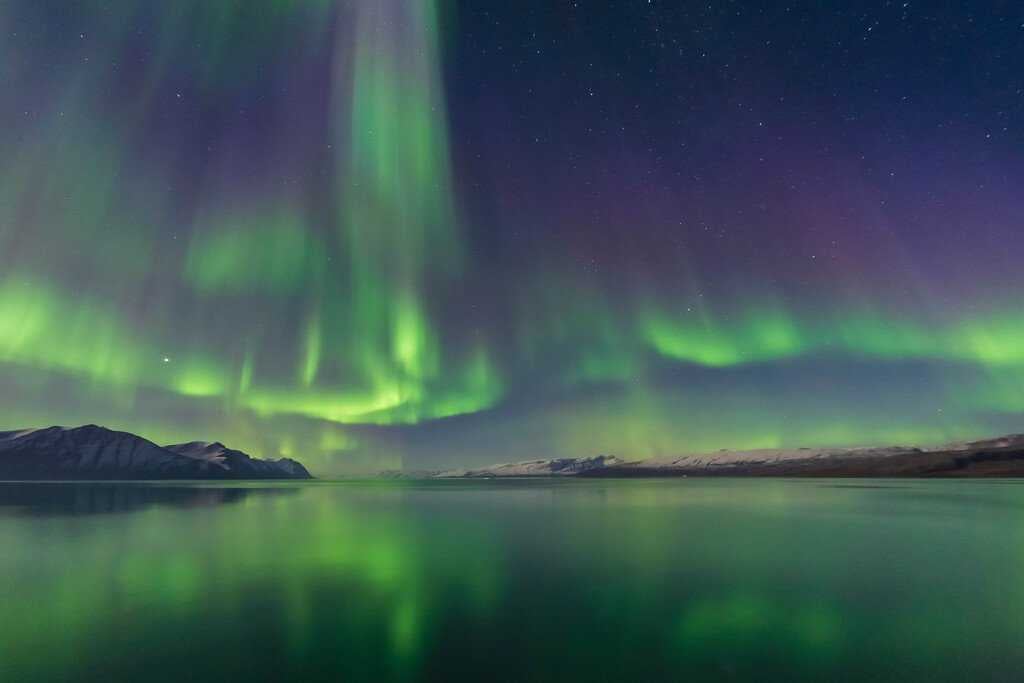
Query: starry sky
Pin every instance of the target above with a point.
(373, 234)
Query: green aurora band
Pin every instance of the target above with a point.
(282, 327)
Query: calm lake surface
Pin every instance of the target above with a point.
(765, 580)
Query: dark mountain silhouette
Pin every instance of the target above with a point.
(97, 453)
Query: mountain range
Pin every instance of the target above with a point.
(999, 457)
(96, 453)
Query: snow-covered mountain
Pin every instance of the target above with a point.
(559, 467)
(219, 455)
(1001, 456)
(93, 452)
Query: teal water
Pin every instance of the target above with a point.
(759, 580)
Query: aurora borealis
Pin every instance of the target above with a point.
(414, 233)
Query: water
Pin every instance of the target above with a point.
(513, 580)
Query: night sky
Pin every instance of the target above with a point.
(412, 233)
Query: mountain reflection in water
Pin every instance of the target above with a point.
(512, 580)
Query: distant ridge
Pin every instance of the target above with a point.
(997, 457)
(560, 467)
(97, 453)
